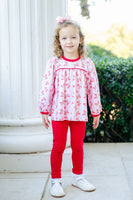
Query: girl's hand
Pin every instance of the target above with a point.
(96, 121)
(46, 122)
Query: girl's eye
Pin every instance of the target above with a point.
(73, 37)
(64, 38)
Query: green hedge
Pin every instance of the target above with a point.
(116, 88)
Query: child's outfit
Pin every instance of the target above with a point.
(65, 87)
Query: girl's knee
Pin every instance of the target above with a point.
(59, 148)
(77, 147)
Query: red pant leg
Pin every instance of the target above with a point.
(60, 129)
(77, 129)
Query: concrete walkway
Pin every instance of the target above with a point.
(108, 166)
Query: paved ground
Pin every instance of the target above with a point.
(108, 166)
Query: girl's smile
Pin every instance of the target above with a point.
(69, 41)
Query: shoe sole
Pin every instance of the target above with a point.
(58, 196)
(84, 190)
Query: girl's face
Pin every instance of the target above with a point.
(69, 41)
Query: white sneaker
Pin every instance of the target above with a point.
(81, 183)
(56, 188)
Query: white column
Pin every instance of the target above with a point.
(26, 32)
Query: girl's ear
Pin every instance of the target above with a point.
(80, 43)
(81, 40)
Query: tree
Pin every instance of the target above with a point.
(85, 8)
(85, 12)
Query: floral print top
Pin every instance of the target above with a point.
(65, 87)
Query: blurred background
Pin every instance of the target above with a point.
(106, 23)
(108, 30)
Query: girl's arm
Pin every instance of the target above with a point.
(94, 94)
(47, 90)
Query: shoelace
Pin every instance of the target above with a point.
(56, 181)
(83, 180)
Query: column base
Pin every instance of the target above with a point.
(26, 139)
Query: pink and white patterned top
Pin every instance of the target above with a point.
(65, 87)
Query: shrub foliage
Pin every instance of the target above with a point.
(116, 88)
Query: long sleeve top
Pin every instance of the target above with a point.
(65, 87)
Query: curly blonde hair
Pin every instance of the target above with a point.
(56, 44)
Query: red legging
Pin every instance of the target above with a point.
(60, 128)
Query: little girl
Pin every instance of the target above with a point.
(70, 77)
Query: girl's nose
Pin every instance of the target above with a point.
(68, 40)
